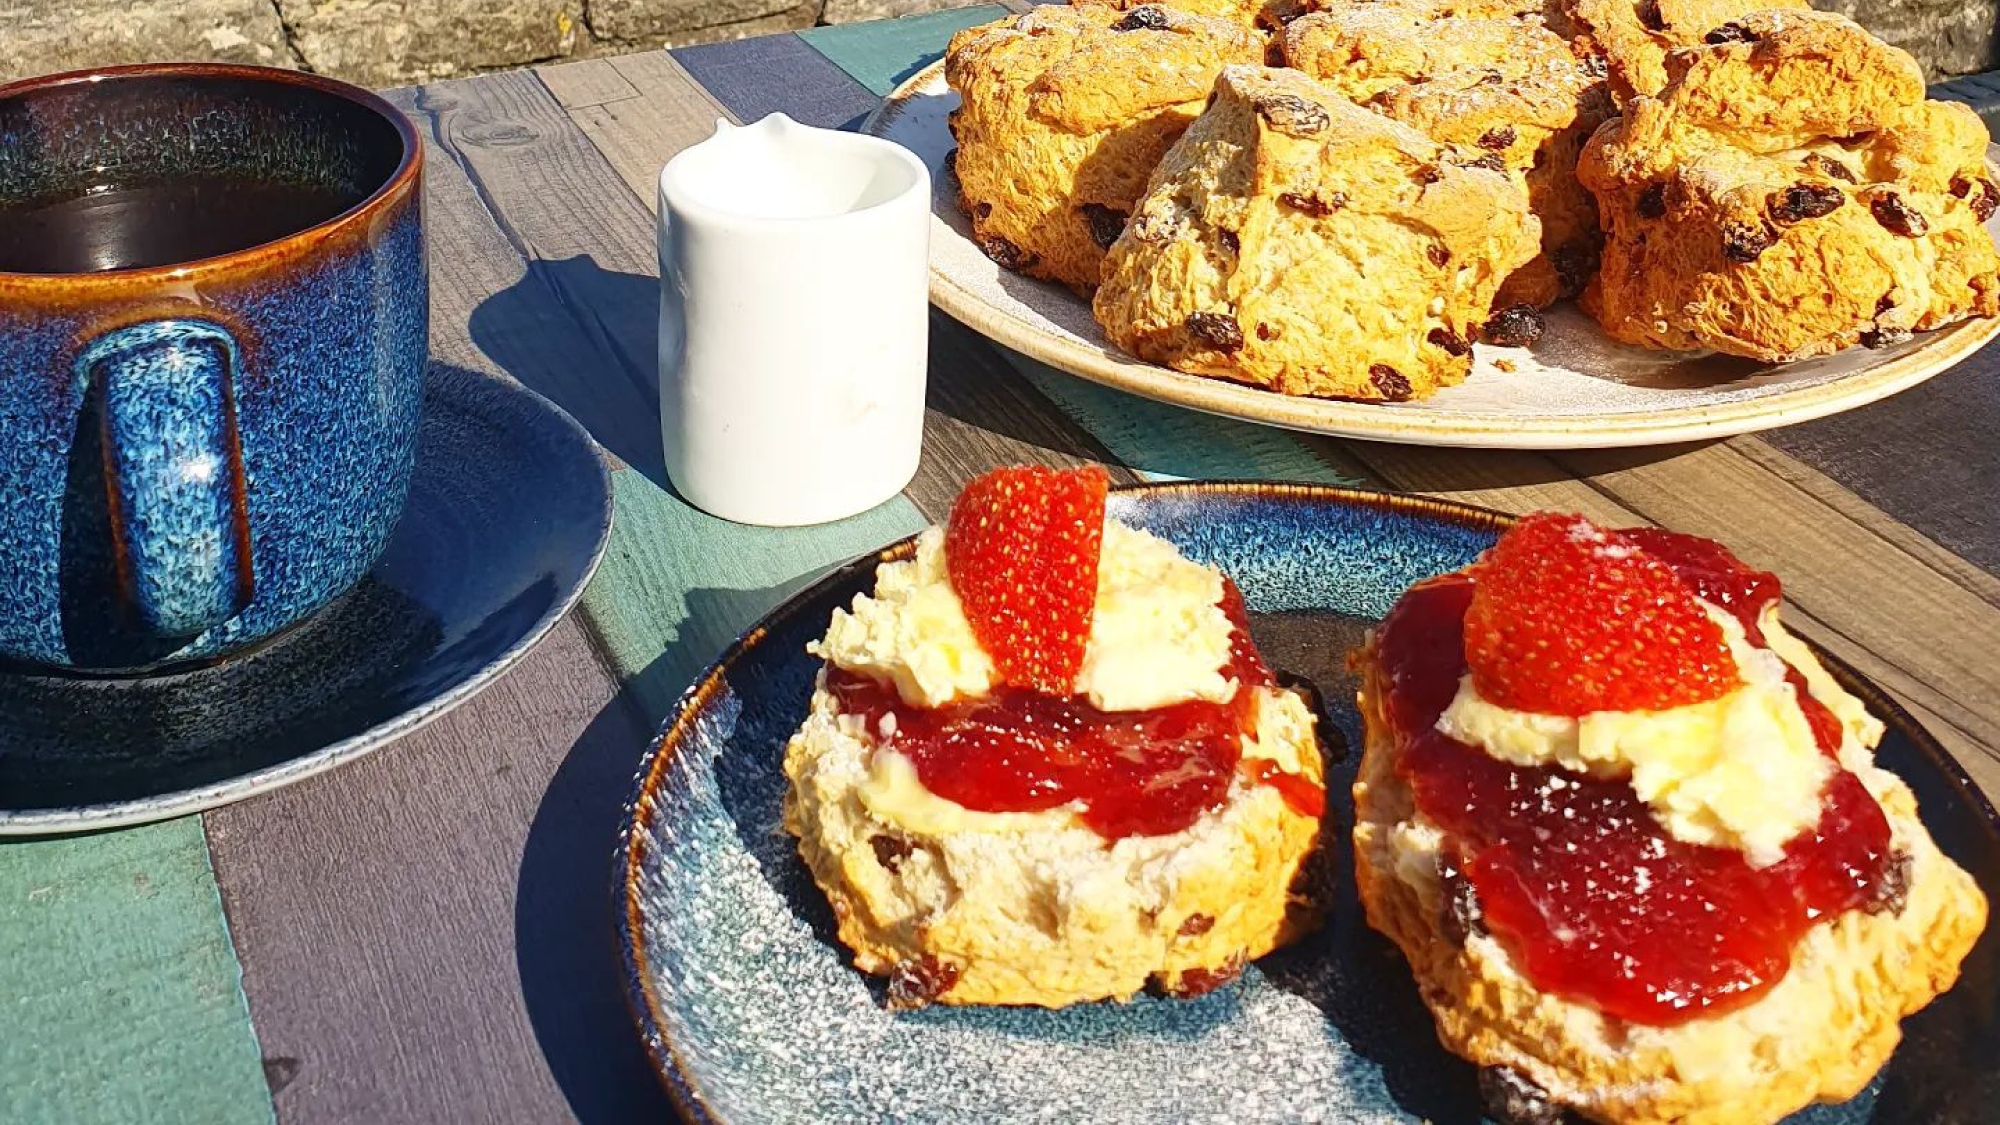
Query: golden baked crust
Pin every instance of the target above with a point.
(1049, 914)
(1553, 14)
(1063, 114)
(1634, 37)
(1819, 1035)
(1295, 241)
(1500, 90)
(1790, 193)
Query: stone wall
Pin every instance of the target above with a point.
(398, 42)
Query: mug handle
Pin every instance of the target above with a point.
(174, 471)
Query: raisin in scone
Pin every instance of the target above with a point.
(1789, 194)
(1507, 93)
(1295, 241)
(1261, 14)
(1044, 763)
(1634, 37)
(1631, 838)
(1063, 114)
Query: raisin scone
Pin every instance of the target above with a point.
(1634, 37)
(1632, 840)
(1063, 114)
(1506, 93)
(1789, 194)
(1295, 241)
(1044, 763)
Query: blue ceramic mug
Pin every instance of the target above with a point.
(213, 322)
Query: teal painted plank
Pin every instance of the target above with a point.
(1162, 442)
(882, 53)
(120, 996)
(678, 585)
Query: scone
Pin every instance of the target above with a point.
(1630, 835)
(1044, 763)
(1063, 114)
(1789, 194)
(1504, 92)
(1295, 241)
(1634, 37)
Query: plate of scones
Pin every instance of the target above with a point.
(1520, 223)
(1254, 802)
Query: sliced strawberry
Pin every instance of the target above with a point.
(1022, 549)
(1567, 618)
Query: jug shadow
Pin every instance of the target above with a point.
(585, 338)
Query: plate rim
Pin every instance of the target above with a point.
(1462, 429)
(663, 751)
(202, 798)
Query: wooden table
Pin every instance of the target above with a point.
(425, 935)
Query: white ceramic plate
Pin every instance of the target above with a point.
(1576, 389)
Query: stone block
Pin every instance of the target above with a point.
(399, 42)
(1947, 36)
(43, 37)
(650, 23)
(855, 11)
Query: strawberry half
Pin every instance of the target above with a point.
(1022, 548)
(1568, 618)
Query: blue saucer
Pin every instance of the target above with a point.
(751, 1013)
(508, 516)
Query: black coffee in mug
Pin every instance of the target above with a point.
(137, 226)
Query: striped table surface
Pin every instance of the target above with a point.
(425, 935)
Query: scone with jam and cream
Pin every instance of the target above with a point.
(1044, 763)
(1630, 835)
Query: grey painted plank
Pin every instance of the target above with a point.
(1927, 456)
(755, 77)
(568, 314)
(586, 83)
(426, 934)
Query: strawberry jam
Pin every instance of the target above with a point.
(1135, 773)
(1594, 900)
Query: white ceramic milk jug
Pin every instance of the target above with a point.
(794, 321)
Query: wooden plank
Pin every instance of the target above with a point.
(426, 933)
(981, 413)
(1927, 456)
(882, 55)
(496, 307)
(639, 135)
(586, 83)
(1162, 442)
(778, 73)
(119, 993)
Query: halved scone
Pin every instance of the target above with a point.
(1630, 836)
(1044, 764)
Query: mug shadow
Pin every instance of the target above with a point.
(573, 331)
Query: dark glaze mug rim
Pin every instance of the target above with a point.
(398, 182)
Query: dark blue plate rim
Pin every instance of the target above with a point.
(678, 1080)
(165, 806)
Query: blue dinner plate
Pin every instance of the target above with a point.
(509, 510)
(751, 1012)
